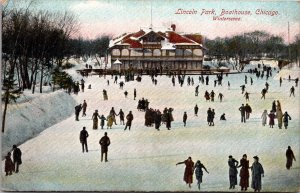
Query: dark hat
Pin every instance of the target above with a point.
(14, 146)
(255, 157)
(230, 156)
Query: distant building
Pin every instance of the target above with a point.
(160, 49)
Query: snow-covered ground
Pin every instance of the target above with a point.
(34, 113)
(144, 159)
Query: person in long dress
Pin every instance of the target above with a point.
(244, 173)
(289, 157)
(264, 117)
(189, 170)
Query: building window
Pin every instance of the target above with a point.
(179, 52)
(156, 52)
(198, 52)
(115, 52)
(188, 52)
(125, 52)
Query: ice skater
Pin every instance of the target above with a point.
(286, 118)
(244, 173)
(184, 119)
(199, 173)
(196, 110)
(264, 117)
(292, 91)
(289, 157)
(232, 163)
(129, 118)
(83, 139)
(104, 143)
(189, 170)
(257, 173)
(243, 113)
(271, 119)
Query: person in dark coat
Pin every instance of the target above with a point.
(221, 97)
(212, 117)
(17, 156)
(95, 119)
(209, 117)
(292, 91)
(244, 173)
(199, 173)
(83, 139)
(121, 114)
(9, 166)
(134, 94)
(125, 93)
(212, 95)
(271, 119)
(184, 119)
(102, 118)
(189, 170)
(274, 106)
(286, 117)
(129, 118)
(263, 93)
(104, 142)
(157, 119)
(246, 96)
(248, 110)
(77, 111)
(222, 118)
(257, 173)
(232, 163)
(168, 120)
(289, 157)
(84, 106)
(196, 110)
(243, 113)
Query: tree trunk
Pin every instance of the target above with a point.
(41, 80)
(5, 109)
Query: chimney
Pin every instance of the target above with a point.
(173, 26)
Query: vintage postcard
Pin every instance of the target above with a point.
(140, 95)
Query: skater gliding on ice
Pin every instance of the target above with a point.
(189, 170)
(199, 173)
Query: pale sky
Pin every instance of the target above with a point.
(115, 17)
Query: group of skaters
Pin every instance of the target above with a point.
(257, 171)
(111, 119)
(211, 96)
(143, 104)
(156, 118)
(276, 113)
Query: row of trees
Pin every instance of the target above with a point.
(249, 46)
(35, 45)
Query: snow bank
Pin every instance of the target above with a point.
(27, 119)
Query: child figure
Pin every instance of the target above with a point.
(9, 165)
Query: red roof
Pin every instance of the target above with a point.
(133, 38)
(133, 43)
(176, 38)
(138, 34)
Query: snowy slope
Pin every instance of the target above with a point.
(144, 159)
(32, 114)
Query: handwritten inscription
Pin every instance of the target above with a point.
(225, 14)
